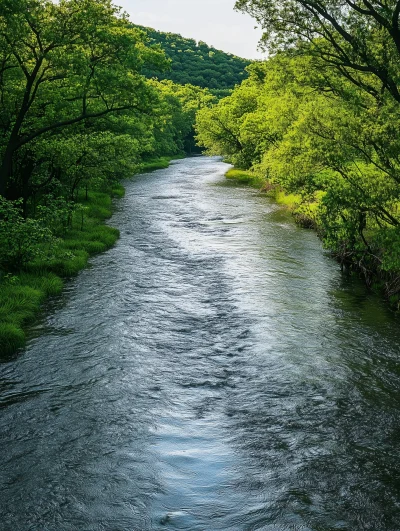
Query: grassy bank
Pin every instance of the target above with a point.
(382, 280)
(303, 210)
(245, 177)
(23, 293)
(159, 163)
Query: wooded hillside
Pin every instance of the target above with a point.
(196, 63)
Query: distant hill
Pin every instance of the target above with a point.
(197, 63)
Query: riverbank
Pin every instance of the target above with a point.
(159, 163)
(23, 293)
(368, 266)
(304, 211)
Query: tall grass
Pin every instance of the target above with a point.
(245, 177)
(20, 299)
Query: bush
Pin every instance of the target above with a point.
(21, 240)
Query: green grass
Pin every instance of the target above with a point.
(159, 163)
(245, 177)
(93, 239)
(12, 337)
(305, 212)
(19, 303)
(20, 300)
(117, 190)
(152, 165)
(63, 264)
(289, 201)
(48, 283)
(98, 206)
(22, 294)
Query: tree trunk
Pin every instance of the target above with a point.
(6, 169)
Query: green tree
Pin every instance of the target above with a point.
(313, 132)
(195, 63)
(220, 129)
(64, 65)
(356, 37)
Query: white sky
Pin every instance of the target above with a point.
(212, 21)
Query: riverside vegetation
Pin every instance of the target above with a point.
(77, 115)
(88, 99)
(317, 126)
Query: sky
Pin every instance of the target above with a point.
(212, 21)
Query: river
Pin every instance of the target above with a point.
(212, 371)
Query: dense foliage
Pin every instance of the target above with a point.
(196, 63)
(76, 116)
(320, 119)
(88, 99)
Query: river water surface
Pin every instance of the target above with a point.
(213, 371)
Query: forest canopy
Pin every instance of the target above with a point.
(196, 62)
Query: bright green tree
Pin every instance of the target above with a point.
(64, 65)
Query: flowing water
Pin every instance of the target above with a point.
(213, 371)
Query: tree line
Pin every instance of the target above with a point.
(77, 115)
(76, 111)
(320, 119)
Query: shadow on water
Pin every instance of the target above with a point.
(213, 371)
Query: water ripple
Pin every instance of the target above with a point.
(211, 372)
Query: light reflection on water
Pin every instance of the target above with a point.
(212, 371)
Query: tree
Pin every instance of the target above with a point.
(337, 148)
(174, 131)
(245, 124)
(357, 37)
(64, 65)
